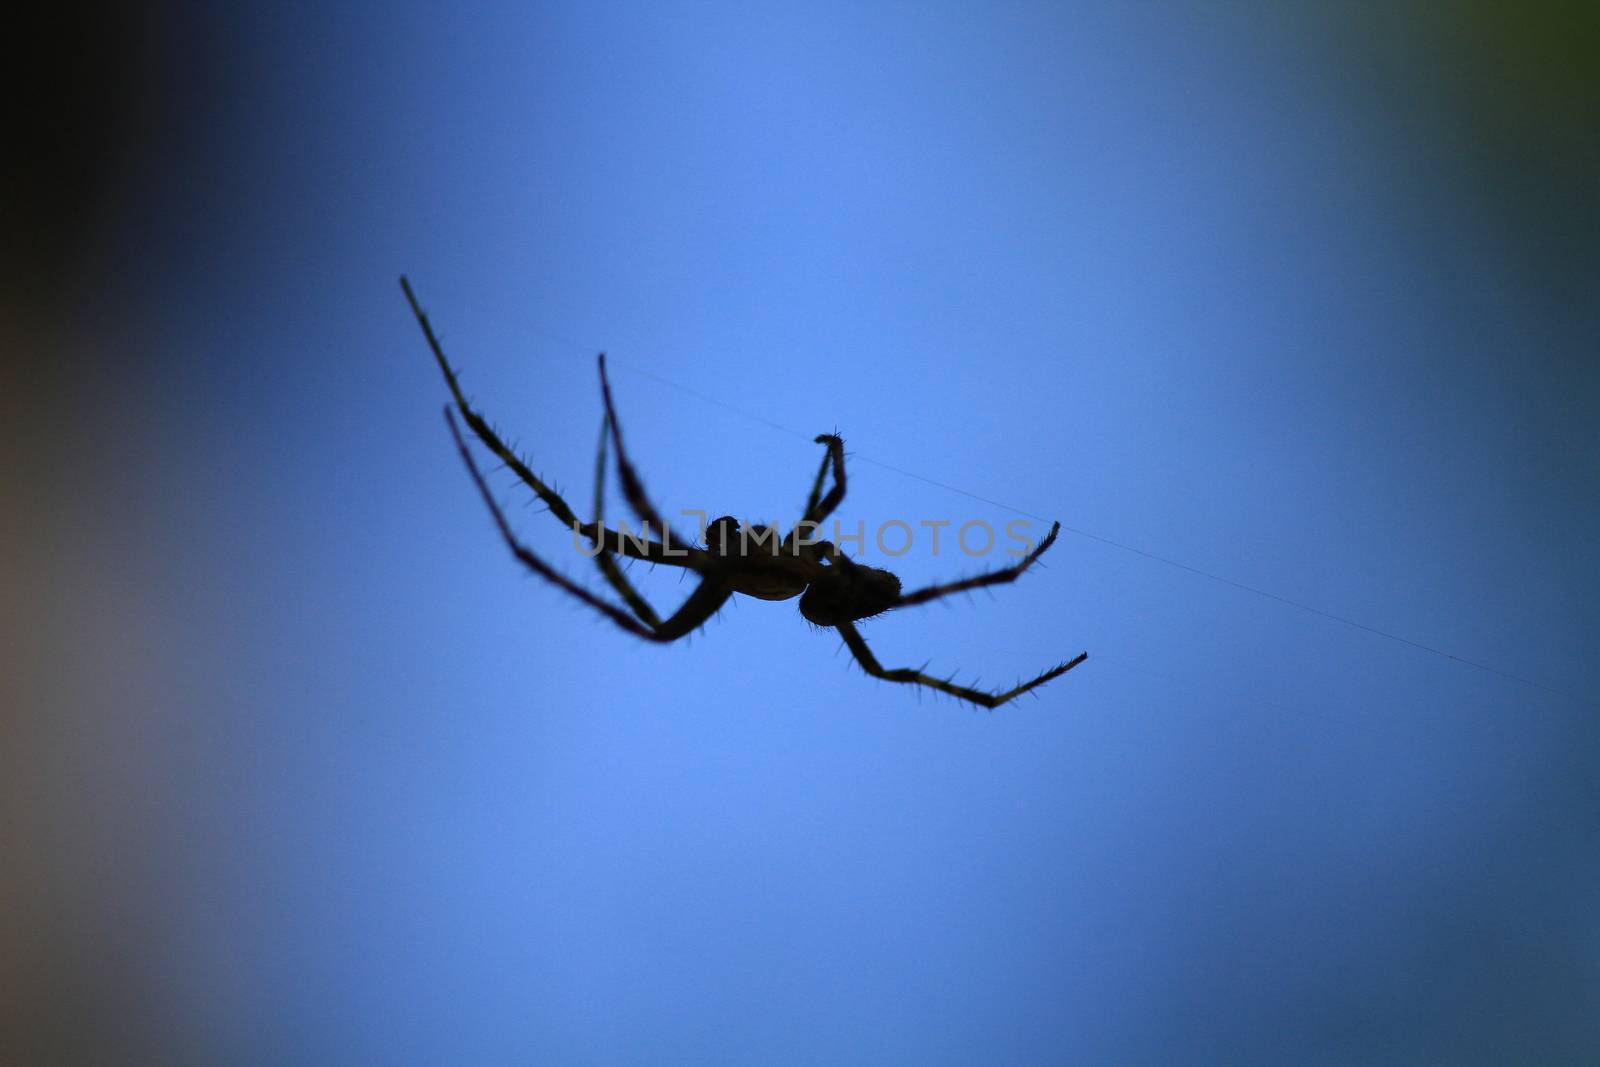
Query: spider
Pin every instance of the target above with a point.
(834, 590)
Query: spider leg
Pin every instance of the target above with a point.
(632, 485)
(869, 663)
(603, 558)
(703, 603)
(558, 507)
(597, 534)
(819, 507)
(1005, 574)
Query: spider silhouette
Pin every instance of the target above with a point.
(834, 590)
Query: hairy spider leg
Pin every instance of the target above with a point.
(1005, 574)
(604, 559)
(810, 522)
(869, 663)
(708, 597)
(632, 485)
(819, 507)
(652, 551)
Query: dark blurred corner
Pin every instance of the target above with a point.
(84, 88)
(94, 99)
(1504, 101)
(88, 89)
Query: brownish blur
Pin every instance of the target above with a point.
(84, 666)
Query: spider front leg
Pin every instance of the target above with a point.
(603, 558)
(611, 541)
(632, 485)
(708, 597)
(480, 426)
(870, 664)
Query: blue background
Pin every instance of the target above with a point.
(301, 767)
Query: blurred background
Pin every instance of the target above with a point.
(298, 766)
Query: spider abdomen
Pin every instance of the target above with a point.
(848, 593)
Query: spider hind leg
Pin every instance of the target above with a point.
(869, 663)
(996, 577)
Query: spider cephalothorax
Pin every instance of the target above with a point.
(834, 590)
